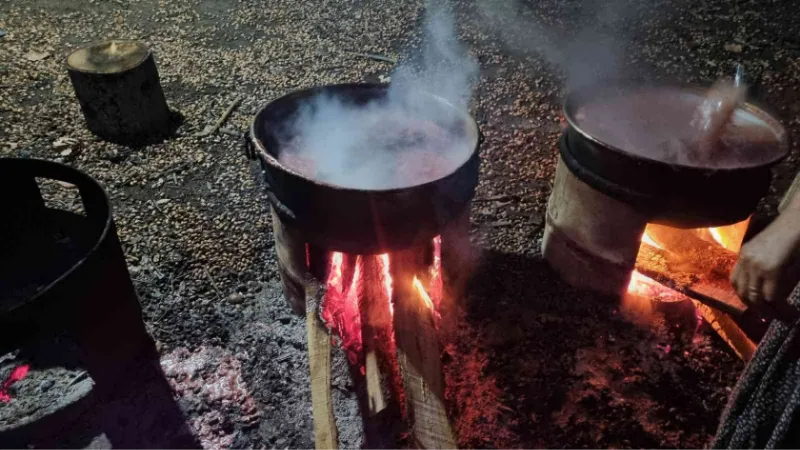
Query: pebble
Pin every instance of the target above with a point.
(733, 48)
(235, 298)
(46, 384)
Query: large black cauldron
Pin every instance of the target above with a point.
(358, 220)
(673, 193)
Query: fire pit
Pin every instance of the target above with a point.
(370, 196)
(70, 321)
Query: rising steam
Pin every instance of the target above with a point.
(406, 138)
(586, 57)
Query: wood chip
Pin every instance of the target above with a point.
(33, 55)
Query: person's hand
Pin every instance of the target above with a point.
(769, 264)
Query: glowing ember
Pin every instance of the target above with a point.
(16, 375)
(340, 305)
(422, 293)
(649, 241)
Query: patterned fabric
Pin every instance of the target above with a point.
(764, 408)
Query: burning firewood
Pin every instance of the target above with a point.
(688, 251)
(382, 384)
(419, 358)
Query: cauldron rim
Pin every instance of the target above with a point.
(41, 168)
(577, 97)
(256, 139)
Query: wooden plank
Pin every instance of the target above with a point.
(727, 328)
(419, 359)
(319, 358)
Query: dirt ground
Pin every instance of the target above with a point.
(529, 361)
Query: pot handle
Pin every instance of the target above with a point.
(249, 148)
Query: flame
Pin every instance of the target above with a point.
(642, 285)
(649, 241)
(335, 275)
(730, 236)
(422, 293)
(340, 309)
(17, 374)
(383, 262)
(437, 283)
(717, 236)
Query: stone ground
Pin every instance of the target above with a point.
(530, 362)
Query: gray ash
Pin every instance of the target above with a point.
(54, 380)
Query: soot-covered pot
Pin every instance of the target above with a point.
(616, 139)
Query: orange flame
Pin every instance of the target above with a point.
(730, 236)
(717, 236)
(649, 241)
(643, 286)
(422, 293)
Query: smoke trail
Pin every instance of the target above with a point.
(376, 146)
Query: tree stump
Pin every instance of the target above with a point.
(117, 85)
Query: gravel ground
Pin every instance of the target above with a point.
(194, 225)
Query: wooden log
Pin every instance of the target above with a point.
(689, 251)
(118, 88)
(730, 332)
(383, 423)
(740, 327)
(319, 358)
(375, 320)
(418, 356)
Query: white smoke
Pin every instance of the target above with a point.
(584, 53)
(392, 143)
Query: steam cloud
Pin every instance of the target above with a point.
(589, 56)
(403, 139)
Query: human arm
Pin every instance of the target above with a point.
(769, 264)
